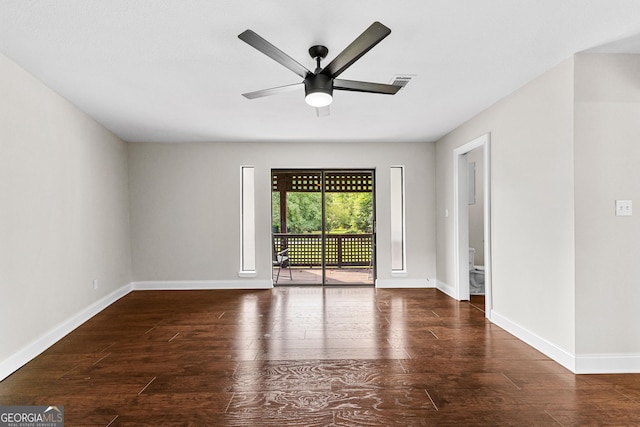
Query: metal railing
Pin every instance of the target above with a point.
(341, 249)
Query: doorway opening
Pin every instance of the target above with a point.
(323, 227)
(472, 229)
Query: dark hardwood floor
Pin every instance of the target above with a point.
(310, 357)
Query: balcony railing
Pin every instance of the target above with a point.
(305, 250)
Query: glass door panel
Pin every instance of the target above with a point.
(296, 201)
(349, 239)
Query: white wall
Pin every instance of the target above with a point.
(607, 117)
(185, 204)
(532, 216)
(64, 219)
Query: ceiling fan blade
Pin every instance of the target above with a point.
(369, 87)
(272, 91)
(273, 52)
(323, 111)
(363, 44)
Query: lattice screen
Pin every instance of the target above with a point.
(348, 182)
(296, 182)
(335, 182)
(305, 250)
(306, 182)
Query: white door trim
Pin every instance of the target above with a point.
(461, 220)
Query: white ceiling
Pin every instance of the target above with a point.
(174, 70)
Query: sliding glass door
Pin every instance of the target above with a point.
(323, 227)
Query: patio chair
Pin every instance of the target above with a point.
(281, 260)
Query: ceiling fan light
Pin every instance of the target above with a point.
(318, 99)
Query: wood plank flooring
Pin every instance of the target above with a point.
(310, 357)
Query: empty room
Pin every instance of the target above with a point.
(319, 213)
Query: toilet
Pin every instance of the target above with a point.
(476, 275)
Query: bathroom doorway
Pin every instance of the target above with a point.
(469, 161)
(475, 175)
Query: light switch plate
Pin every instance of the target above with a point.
(624, 208)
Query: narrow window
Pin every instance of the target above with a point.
(248, 223)
(397, 219)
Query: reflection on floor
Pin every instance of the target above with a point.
(311, 356)
(477, 301)
(335, 276)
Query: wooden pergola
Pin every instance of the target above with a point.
(285, 182)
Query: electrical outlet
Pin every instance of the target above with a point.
(95, 283)
(624, 208)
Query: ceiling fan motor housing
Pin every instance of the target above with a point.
(318, 90)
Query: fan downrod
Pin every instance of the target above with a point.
(318, 53)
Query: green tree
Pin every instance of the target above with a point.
(275, 210)
(345, 212)
(349, 212)
(362, 218)
(304, 212)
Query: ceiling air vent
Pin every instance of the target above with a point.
(402, 79)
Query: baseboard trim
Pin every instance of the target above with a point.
(447, 289)
(551, 350)
(183, 285)
(400, 283)
(30, 351)
(608, 363)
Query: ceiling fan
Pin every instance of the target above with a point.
(319, 84)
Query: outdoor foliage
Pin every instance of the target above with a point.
(345, 212)
(349, 212)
